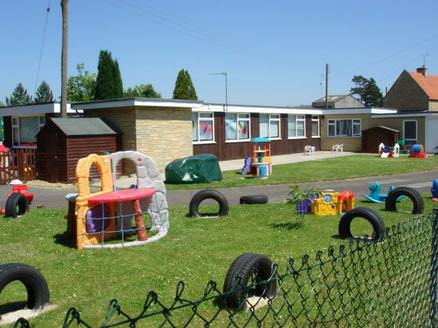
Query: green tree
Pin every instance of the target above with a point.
(2, 104)
(19, 96)
(108, 82)
(184, 88)
(142, 90)
(368, 91)
(81, 87)
(43, 94)
(118, 83)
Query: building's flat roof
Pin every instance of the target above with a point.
(35, 109)
(136, 102)
(196, 106)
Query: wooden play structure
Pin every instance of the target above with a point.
(104, 218)
(259, 164)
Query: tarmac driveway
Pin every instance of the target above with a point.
(54, 197)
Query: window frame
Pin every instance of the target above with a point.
(354, 121)
(316, 118)
(198, 120)
(271, 119)
(303, 119)
(416, 130)
(237, 119)
(16, 126)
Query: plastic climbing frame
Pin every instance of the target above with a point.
(104, 219)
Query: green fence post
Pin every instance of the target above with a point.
(434, 272)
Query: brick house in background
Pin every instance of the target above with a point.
(413, 91)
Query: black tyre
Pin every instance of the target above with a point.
(202, 195)
(411, 193)
(16, 205)
(254, 199)
(379, 229)
(244, 279)
(31, 278)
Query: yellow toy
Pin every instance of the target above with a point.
(333, 203)
(103, 165)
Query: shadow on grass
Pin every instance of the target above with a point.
(287, 226)
(337, 237)
(12, 307)
(64, 239)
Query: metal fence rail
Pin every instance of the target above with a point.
(388, 284)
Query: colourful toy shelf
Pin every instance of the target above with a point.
(121, 196)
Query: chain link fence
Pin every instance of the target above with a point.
(388, 284)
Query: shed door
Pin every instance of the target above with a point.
(51, 160)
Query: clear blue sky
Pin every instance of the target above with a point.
(273, 51)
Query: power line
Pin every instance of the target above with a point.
(43, 41)
(383, 59)
(188, 30)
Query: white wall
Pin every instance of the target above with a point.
(431, 134)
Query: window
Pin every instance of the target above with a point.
(15, 131)
(270, 126)
(315, 126)
(344, 128)
(25, 129)
(296, 126)
(202, 127)
(237, 126)
(410, 131)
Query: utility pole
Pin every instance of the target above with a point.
(64, 7)
(326, 84)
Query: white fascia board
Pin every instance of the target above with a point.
(70, 110)
(208, 108)
(352, 111)
(401, 115)
(137, 103)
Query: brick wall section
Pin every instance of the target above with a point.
(397, 123)
(164, 134)
(406, 94)
(350, 143)
(122, 119)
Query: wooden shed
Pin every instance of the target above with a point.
(371, 138)
(63, 141)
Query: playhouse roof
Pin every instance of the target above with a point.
(83, 126)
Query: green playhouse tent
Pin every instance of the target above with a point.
(194, 169)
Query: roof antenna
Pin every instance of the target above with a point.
(425, 55)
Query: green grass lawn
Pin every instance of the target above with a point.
(323, 170)
(195, 250)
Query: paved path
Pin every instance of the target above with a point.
(54, 198)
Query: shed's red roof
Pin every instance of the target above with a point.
(428, 83)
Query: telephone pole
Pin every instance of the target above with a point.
(326, 84)
(64, 7)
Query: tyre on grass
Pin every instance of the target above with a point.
(249, 275)
(202, 195)
(254, 199)
(16, 204)
(411, 193)
(379, 229)
(36, 286)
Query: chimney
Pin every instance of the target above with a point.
(422, 70)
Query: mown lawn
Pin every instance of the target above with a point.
(354, 166)
(195, 250)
